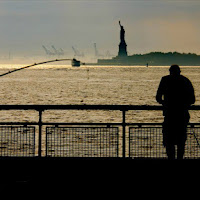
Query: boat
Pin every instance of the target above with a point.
(75, 63)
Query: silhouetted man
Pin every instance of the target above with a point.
(176, 94)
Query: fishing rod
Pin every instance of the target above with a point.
(74, 63)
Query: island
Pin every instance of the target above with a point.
(155, 59)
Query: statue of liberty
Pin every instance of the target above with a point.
(122, 46)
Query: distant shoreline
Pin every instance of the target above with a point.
(132, 65)
(154, 59)
(148, 59)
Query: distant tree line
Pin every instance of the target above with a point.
(160, 59)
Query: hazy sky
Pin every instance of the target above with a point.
(158, 25)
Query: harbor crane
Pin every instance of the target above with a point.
(61, 51)
(77, 53)
(48, 52)
(97, 54)
(57, 52)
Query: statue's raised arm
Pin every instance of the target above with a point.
(119, 23)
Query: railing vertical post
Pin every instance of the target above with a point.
(124, 133)
(40, 134)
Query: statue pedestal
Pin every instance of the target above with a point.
(122, 49)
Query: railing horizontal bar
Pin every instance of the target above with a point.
(79, 123)
(87, 107)
(54, 123)
(119, 124)
(49, 123)
(141, 124)
(18, 123)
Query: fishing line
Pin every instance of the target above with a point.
(35, 65)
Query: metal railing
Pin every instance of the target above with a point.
(147, 142)
(82, 142)
(67, 139)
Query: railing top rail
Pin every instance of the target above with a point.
(87, 107)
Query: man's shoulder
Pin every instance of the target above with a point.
(165, 78)
(184, 77)
(168, 77)
(186, 80)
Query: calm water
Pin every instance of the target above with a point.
(61, 84)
